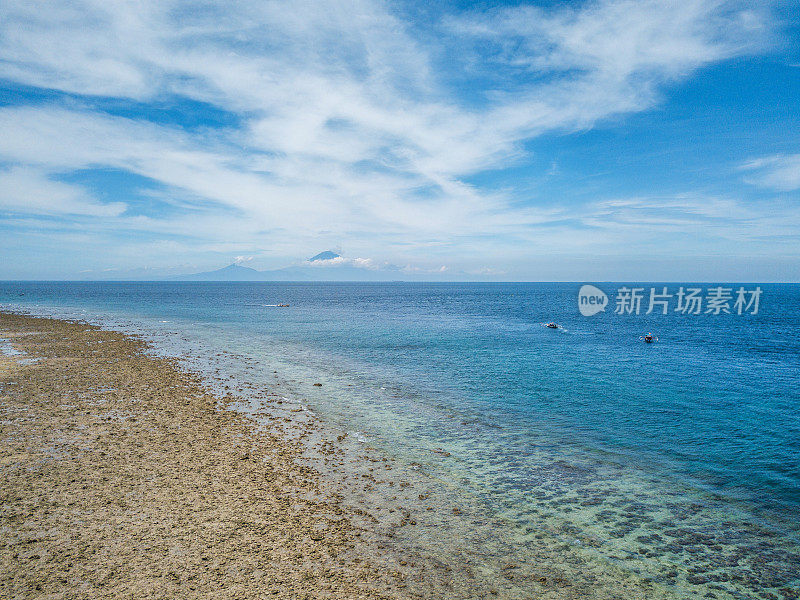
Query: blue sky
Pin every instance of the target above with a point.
(609, 140)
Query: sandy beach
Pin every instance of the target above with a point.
(122, 479)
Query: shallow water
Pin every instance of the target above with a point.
(675, 463)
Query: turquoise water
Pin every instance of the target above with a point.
(678, 460)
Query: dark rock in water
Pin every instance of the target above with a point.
(674, 533)
(668, 524)
(569, 528)
(571, 468)
(617, 533)
(605, 516)
(649, 539)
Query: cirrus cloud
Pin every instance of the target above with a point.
(341, 120)
(780, 172)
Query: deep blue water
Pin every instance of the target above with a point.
(711, 409)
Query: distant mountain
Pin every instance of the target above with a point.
(232, 272)
(327, 255)
(320, 267)
(314, 269)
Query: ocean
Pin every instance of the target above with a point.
(676, 462)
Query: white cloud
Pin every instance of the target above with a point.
(605, 58)
(780, 172)
(348, 83)
(687, 223)
(618, 37)
(418, 270)
(283, 193)
(29, 190)
(346, 125)
(364, 263)
(341, 261)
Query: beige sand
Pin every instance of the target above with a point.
(121, 479)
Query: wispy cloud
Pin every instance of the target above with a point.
(691, 223)
(30, 191)
(780, 172)
(575, 65)
(345, 123)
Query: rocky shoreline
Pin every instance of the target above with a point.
(122, 479)
(126, 475)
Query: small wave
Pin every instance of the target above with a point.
(261, 305)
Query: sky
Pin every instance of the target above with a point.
(611, 140)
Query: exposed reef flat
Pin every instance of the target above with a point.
(122, 479)
(126, 475)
